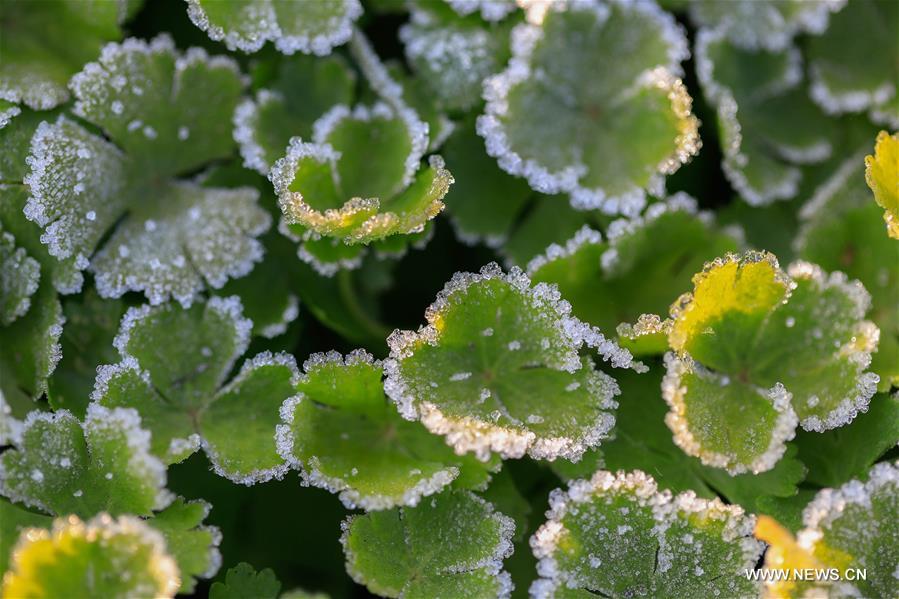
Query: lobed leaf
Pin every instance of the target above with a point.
(194, 546)
(173, 370)
(63, 466)
(583, 150)
(617, 535)
(853, 526)
(307, 27)
(244, 582)
(166, 237)
(346, 437)
(451, 545)
(19, 278)
(766, 122)
(103, 557)
(758, 349)
(497, 369)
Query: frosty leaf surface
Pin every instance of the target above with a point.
(346, 436)
(244, 582)
(451, 55)
(86, 343)
(882, 175)
(338, 186)
(451, 545)
(766, 122)
(852, 64)
(484, 201)
(768, 25)
(769, 348)
(63, 466)
(489, 10)
(194, 546)
(173, 371)
(548, 220)
(117, 207)
(19, 278)
(264, 125)
(103, 557)
(610, 138)
(307, 27)
(44, 43)
(617, 535)
(842, 229)
(639, 266)
(853, 526)
(496, 369)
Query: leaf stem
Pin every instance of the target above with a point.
(371, 326)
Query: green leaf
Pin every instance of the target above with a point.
(10, 426)
(103, 557)
(244, 582)
(118, 208)
(19, 278)
(490, 10)
(770, 25)
(264, 125)
(766, 122)
(91, 325)
(193, 545)
(618, 536)
(639, 268)
(345, 436)
(451, 545)
(882, 175)
(837, 456)
(548, 220)
(173, 370)
(853, 526)
(497, 369)
(63, 467)
(337, 186)
(852, 64)
(307, 27)
(484, 202)
(758, 349)
(44, 43)
(843, 230)
(451, 55)
(611, 138)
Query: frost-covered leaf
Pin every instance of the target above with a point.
(29, 347)
(842, 229)
(451, 545)
(340, 186)
(853, 526)
(307, 27)
(19, 278)
(302, 89)
(345, 436)
(882, 175)
(836, 456)
(766, 122)
(484, 202)
(497, 369)
(490, 10)
(548, 220)
(616, 535)
(86, 342)
(8, 111)
(116, 206)
(14, 519)
(244, 582)
(852, 65)
(174, 364)
(10, 426)
(770, 24)
(63, 467)
(452, 55)
(193, 545)
(44, 43)
(610, 138)
(639, 268)
(103, 557)
(758, 349)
